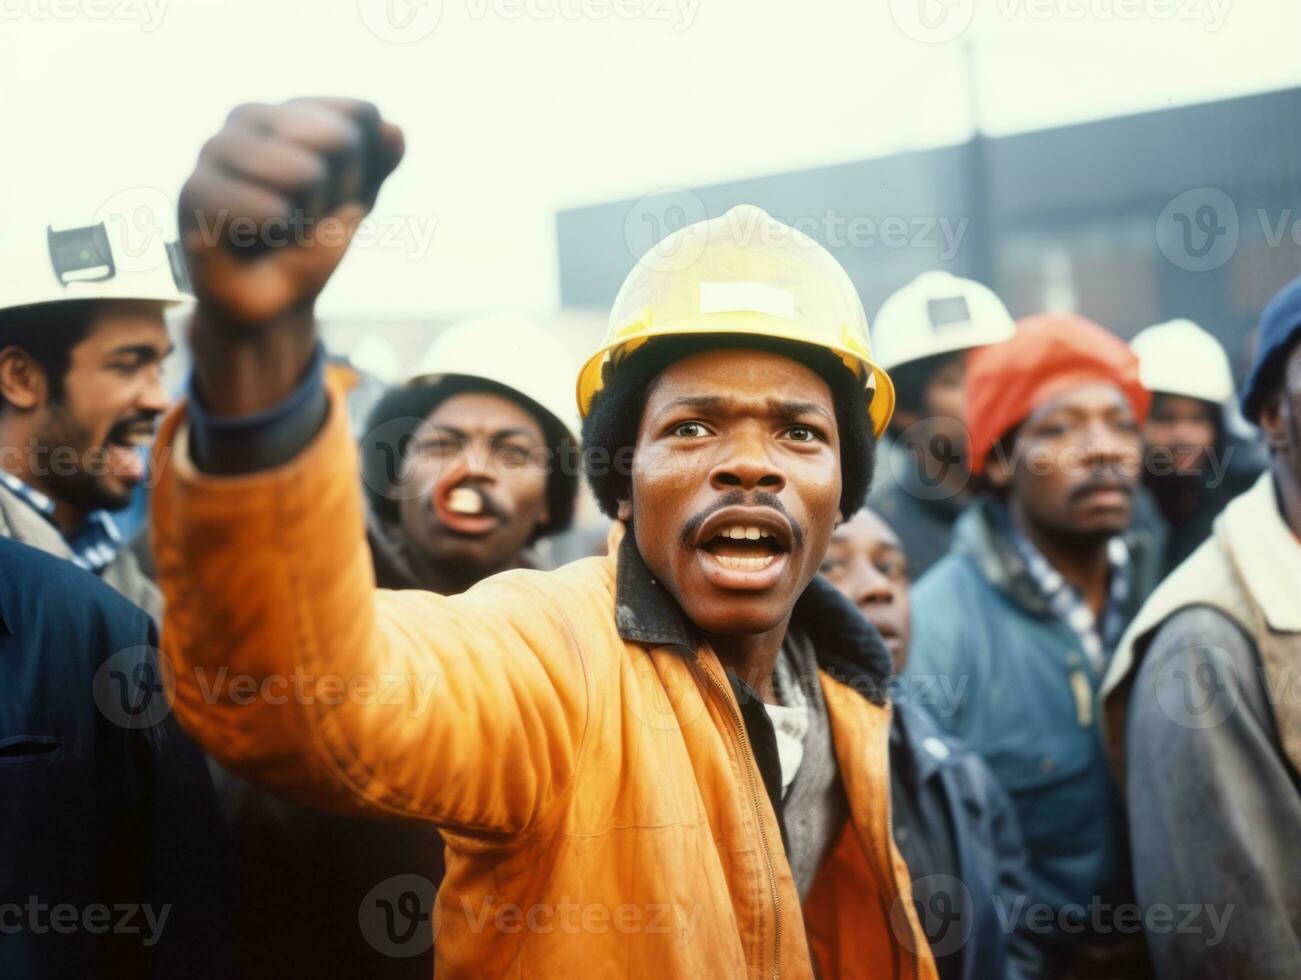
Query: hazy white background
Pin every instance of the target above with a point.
(516, 108)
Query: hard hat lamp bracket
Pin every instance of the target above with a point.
(948, 313)
(81, 254)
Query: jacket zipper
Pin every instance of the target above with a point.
(746, 751)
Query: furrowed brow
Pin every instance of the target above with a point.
(696, 403)
(797, 410)
(436, 430)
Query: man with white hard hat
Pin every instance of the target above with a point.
(474, 459)
(1201, 709)
(106, 803)
(1195, 463)
(922, 334)
(82, 341)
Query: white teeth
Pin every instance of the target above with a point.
(463, 500)
(742, 533)
(745, 564)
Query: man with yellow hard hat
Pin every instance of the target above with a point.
(668, 762)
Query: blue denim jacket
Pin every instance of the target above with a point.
(1020, 692)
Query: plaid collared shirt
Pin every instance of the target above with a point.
(1098, 635)
(94, 545)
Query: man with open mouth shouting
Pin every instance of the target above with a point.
(82, 341)
(668, 762)
(472, 461)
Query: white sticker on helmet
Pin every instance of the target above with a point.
(747, 297)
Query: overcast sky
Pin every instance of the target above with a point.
(515, 108)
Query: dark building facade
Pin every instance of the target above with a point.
(1194, 212)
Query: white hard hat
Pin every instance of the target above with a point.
(938, 313)
(512, 351)
(1181, 358)
(120, 251)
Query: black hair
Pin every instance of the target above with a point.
(48, 332)
(397, 415)
(911, 377)
(610, 429)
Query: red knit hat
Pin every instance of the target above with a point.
(1051, 353)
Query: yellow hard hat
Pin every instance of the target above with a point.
(744, 273)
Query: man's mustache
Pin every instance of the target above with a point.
(1101, 482)
(738, 498)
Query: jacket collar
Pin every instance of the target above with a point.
(1266, 553)
(981, 534)
(848, 647)
(922, 742)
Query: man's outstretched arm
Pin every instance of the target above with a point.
(289, 666)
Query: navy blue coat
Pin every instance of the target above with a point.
(113, 861)
(990, 855)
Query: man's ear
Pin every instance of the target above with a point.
(22, 381)
(624, 512)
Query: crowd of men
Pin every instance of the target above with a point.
(962, 647)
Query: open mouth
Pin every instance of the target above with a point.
(466, 511)
(744, 548)
(125, 450)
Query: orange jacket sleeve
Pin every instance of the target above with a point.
(293, 670)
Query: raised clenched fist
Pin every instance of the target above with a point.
(274, 201)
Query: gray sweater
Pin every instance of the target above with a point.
(1215, 809)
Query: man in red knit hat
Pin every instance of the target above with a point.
(1020, 619)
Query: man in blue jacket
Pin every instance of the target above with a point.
(953, 822)
(1019, 621)
(112, 855)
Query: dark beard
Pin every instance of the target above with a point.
(67, 480)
